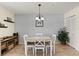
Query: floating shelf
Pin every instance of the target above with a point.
(3, 27)
(9, 21)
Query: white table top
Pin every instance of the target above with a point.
(40, 38)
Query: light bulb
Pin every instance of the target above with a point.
(42, 18)
(36, 18)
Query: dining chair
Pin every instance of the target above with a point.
(39, 45)
(48, 44)
(27, 45)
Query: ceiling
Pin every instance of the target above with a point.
(32, 7)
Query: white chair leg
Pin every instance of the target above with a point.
(43, 52)
(46, 50)
(50, 51)
(26, 51)
(33, 51)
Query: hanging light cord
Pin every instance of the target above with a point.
(39, 11)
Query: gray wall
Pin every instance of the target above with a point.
(25, 23)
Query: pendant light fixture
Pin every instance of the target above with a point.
(39, 17)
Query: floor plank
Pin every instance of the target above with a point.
(61, 50)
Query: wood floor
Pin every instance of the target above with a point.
(61, 50)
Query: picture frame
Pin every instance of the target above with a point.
(39, 23)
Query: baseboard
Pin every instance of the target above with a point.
(76, 48)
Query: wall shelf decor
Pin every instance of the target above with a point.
(3, 25)
(9, 20)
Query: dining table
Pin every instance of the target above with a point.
(42, 38)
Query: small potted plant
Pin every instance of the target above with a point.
(63, 36)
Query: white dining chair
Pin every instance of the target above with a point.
(39, 45)
(27, 45)
(49, 44)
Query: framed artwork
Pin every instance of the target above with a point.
(39, 23)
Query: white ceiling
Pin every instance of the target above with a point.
(32, 7)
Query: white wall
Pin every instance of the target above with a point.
(25, 23)
(3, 14)
(73, 26)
